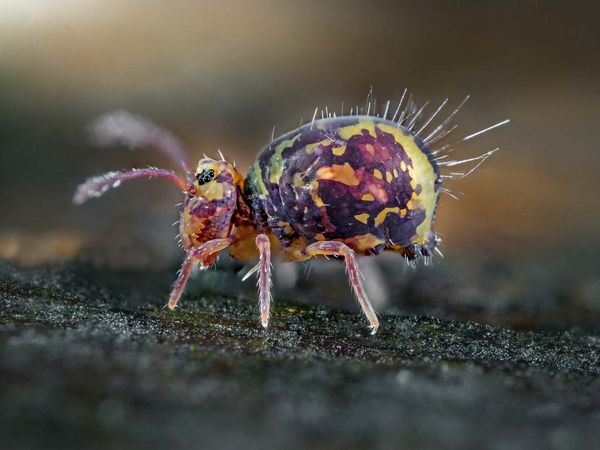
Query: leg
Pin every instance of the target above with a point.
(122, 127)
(194, 256)
(264, 277)
(340, 249)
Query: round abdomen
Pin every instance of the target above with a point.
(361, 180)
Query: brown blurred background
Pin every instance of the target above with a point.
(221, 74)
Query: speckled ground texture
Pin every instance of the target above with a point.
(90, 359)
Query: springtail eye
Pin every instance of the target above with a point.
(205, 176)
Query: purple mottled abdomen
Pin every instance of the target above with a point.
(360, 180)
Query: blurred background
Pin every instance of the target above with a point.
(522, 244)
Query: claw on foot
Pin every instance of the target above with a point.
(265, 322)
(172, 304)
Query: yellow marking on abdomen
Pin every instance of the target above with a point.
(277, 163)
(338, 151)
(310, 148)
(353, 130)
(367, 198)
(363, 242)
(340, 173)
(421, 172)
(298, 179)
(314, 188)
(256, 177)
(364, 218)
(383, 214)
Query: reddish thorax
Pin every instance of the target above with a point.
(216, 209)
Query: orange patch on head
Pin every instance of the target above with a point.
(340, 173)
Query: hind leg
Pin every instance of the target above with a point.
(334, 248)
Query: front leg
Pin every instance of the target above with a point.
(334, 248)
(195, 255)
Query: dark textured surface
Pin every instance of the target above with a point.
(90, 358)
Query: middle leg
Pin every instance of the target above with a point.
(264, 277)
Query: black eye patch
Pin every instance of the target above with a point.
(205, 176)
